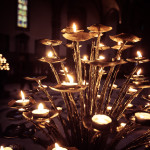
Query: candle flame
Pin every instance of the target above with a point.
(50, 54)
(2, 148)
(101, 44)
(40, 107)
(74, 27)
(119, 43)
(139, 54)
(139, 71)
(22, 94)
(85, 57)
(101, 57)
(123, 124)
(70, 78)
(57, 146)
(66, 69)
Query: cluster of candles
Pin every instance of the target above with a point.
(3, 63)
(5, 148)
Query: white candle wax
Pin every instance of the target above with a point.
(57, 147)
(40, 112)
(143, 116)
(101, 119)
(5, 148)
(129, 105)
(69, 83)
(131, 90)
(23, 102)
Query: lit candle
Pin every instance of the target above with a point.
(85, 58)
(138, 73)
(130, 105)
(114, 86)
(51, 55)
(131, 90)
(57, 147)
(71, 81)
(23, 101)
(109, 108)
(101, 57)
(21, 109)
(101, 119)
(149, 96)
(142, 117)
(122, 125)
(40, 112)
(74, 27)
(5, 148)
(139, 55)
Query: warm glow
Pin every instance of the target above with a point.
(50, 54)
(139, 54)
(123, 124)
(101, 44)
(132, 90)
(2, 148)
(74, 27)
(109, 108)
(40, 107)
(22, 94)
(57, 146)
(119, 43)
(66, 69)
(139, 71)
(101, 119)
(130, 105)
(85, 57)
(70, 78)
(101, 57)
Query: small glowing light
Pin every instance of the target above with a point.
(85, 57)
(66, 69)
(70, 78)
(22, 94)
(40, 107)
(101, 57)
(132, 90)
(123, 124)
(2, 148)
(50, 54)
(74, 27)
(139, 71)
(101, 44)
(109, 108)
(139, 54)
(130, 105)
(57, 147)
(119, 43)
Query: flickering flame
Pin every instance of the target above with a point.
(70, 78)
(101, 44)
(139, 71)
(74, 27)
(139, 54)
(2, 148)
(85, 57)
(119, 43)
(40, 107)
(101, 57)
(123, 124)
(57, 147)
(66, 69)
(50, 54)
(22, 94)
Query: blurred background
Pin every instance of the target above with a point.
(23, 23)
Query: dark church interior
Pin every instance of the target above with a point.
(20, 44)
